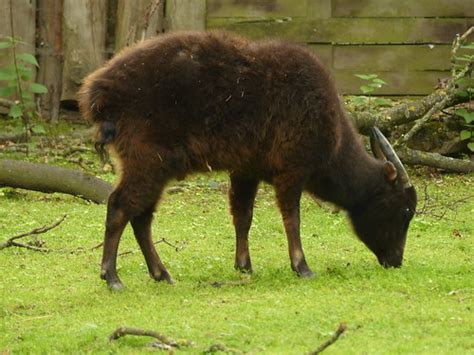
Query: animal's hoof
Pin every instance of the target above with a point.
(303, 270)
(115, 286)
(245, 269)
(307, 274)
(164, 276)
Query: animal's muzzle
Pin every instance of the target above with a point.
(394, 260)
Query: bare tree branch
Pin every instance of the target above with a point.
(163, 341)
(12, 241)
(341, 329)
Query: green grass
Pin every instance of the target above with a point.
(55, 302)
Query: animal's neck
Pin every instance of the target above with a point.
(351, 175)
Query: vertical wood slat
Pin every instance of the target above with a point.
(24, 20)
(185, 15)
(137, 20)
(84, 31)
(50, 50)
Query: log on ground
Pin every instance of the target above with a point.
(47, 178)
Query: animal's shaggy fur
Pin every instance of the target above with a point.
(187, 102)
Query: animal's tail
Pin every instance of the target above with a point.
(105, 135)
(96, 106)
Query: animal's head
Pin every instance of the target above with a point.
(382, 220)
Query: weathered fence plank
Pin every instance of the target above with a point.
(399, 82)
(262, 8)
(50, 50)
(347, 30)
(23, 18)
(84, 42)
(186, 15)
(392, 57)
(23, 21)
(137, 20)
(403, 8)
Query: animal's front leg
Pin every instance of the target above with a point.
(288, 195)
(242, 196)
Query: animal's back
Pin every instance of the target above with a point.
(217, 100)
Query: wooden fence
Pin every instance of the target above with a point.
(73, 37)
(406, 42)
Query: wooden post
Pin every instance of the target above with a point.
(185, 15)
(50, 50)
(84, 31)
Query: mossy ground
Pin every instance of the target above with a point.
(55, 302)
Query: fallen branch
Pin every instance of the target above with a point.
(46, 178)
(13, 138)
(434, 160)
(13, 240)
(341, 329)
(162, 339)
(6, 103)
(402, 113)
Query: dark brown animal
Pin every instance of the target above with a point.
(264, 111)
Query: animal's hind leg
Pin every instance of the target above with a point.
(242, 196)
(114, 225)
(288, 192)
(135, 194)
(142, 228)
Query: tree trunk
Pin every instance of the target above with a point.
(50, 49)
(84, 31)
(46, 178)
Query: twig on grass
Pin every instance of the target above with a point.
(13, 240)
(162, 240)
(97, 246)
(431, 206)
(163, 341)
(341, 329)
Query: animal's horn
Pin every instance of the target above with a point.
(380, 144)
(375, 147)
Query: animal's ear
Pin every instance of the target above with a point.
(390, 171)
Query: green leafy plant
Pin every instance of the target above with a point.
(372, 83)
(465, 88)
(15, 81)
(468, 132)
